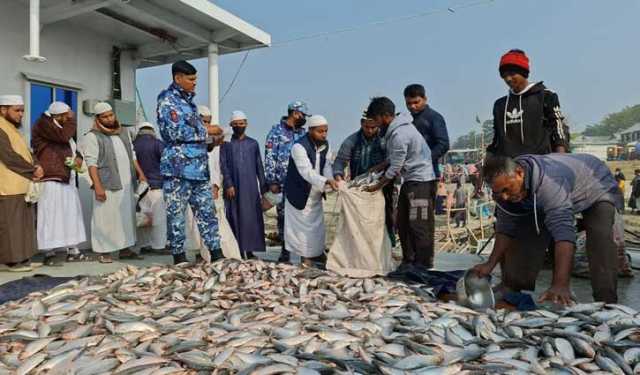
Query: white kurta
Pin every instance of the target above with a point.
(113, 225)
(304, 232)
(154, 235)
(60, 222)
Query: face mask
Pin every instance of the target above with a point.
(300, 122)
(238, 131)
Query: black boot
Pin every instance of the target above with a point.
(216, 254)
(179, 258)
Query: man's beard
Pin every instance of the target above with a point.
(18, 124)
(114, 125)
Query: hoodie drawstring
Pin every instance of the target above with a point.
(535, 212)
(506, 108)
(521, 122)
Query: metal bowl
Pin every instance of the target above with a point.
(475, 292)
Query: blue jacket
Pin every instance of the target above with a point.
(277, 150)
(558, 187)
(296, 188)
(185, 155)
(148, 150)
(407, 152)
(433, 128)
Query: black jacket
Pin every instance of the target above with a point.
(528, 123)
(433, 128)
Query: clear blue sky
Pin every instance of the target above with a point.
(585, 50)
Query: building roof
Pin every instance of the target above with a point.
(594, 140)
(631, 129)
(159, 31)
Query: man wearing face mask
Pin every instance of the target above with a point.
(278, 146)
(528, 119)
(241, 166)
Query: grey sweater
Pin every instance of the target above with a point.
(559, 186)
(407, 152)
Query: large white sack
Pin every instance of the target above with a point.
(362, 247)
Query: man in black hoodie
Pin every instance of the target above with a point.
(528, 119)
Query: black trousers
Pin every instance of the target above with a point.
(525, 257)
(387, 191)
(416, 222)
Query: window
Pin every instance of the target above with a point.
(43, 95)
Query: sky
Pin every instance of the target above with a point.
(585, 50)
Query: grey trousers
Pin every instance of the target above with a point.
(524, 260)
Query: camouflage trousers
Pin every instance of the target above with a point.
(178, 193)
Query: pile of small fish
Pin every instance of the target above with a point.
(258, 318)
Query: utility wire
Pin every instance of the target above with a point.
(450, 9)
(233, 81)
(382, 22)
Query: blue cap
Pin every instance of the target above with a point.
(299, 106)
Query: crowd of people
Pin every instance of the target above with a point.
(177, 175)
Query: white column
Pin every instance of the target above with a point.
(214, 89)
(34, 33)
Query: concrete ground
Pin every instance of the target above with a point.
(628, 289)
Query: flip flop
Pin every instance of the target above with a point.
(75, 258)
(130, 255)
(52, 262)
(105, 259)
(20, 268)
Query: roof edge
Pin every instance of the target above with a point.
(209, 9)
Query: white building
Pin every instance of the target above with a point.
(598, 146)
(81, 51)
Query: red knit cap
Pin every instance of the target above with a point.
(514, 60)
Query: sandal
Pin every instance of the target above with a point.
(73, 258)
(128, 254)
(105, 259)
(51, 261)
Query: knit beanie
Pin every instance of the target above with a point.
(514, 61)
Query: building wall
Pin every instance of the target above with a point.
(599, 151)
(73, 55)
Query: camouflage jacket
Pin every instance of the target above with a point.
(185, 155)
(280, 140)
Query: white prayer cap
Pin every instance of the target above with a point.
(58, 108)
(101, 108)
(316, 120)
(203, 110)
(7, 100)
(146, 125)
(238, 115)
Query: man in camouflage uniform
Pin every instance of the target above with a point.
(278, 146)
(184, 163)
